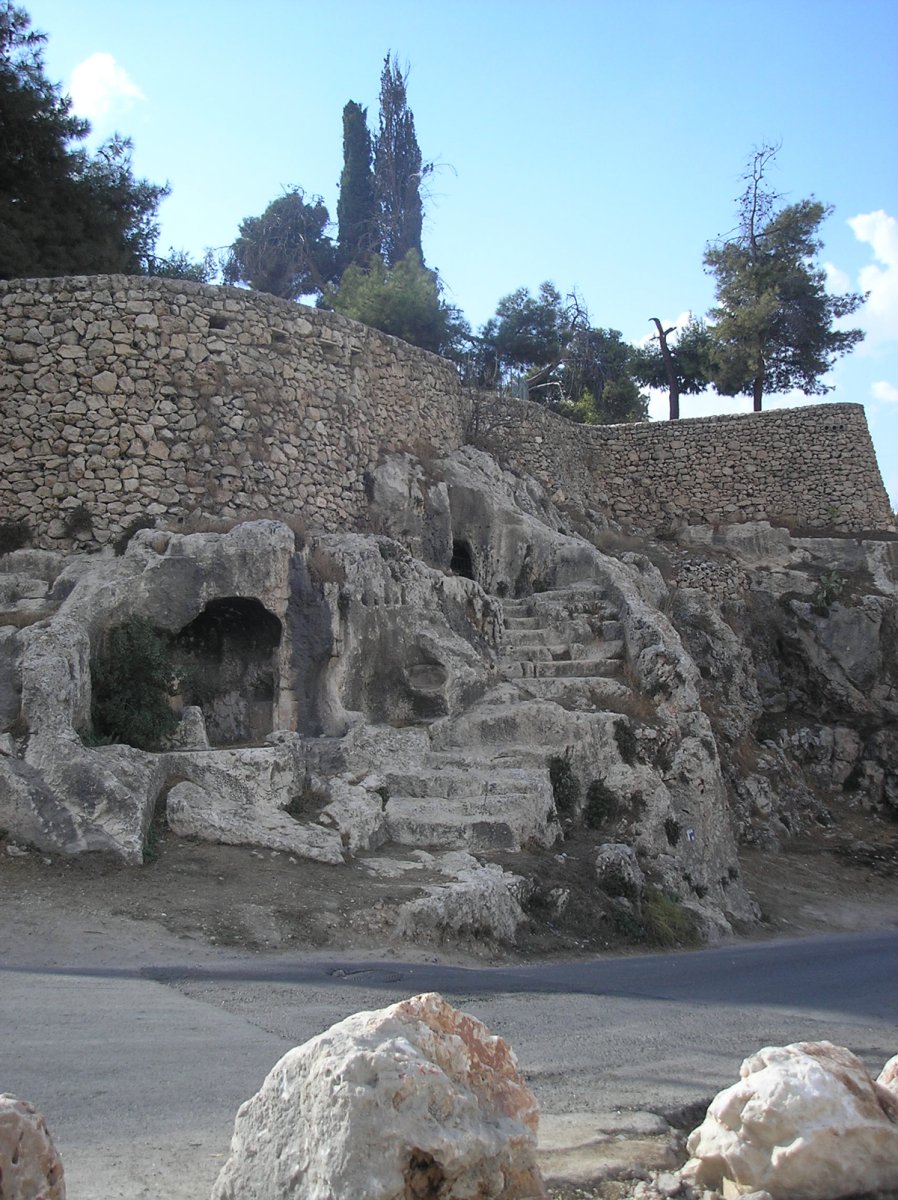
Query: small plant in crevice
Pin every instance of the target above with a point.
(625, 739)
(672, 830)
(829, 589)
(565, 786)
(133, 677)
(600, 806)
(78, 522)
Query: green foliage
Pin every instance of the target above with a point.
(773, 324)
(626, 742)
(403, 300)
(601, 805)
(580, 371)
(286, 251)
(565, 786)
(667, 923)
(62, 211)
(398, 169)
(529, 331)
(132, 678)
(358, 226)
(179, 265)
(828, 591)
(14, 535)
(672, 830)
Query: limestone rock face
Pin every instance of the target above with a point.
(30, 1168)
(805, 1122)
(413, 1100)
(482, 902)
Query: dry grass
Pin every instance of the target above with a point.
(324, 568)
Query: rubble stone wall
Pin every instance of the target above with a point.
(138, 397)
(813, 466)
(130, 397)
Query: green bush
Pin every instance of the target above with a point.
(565, 786)
(601, 805)
(133, 676)
(829, 589)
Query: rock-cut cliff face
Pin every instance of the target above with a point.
(571, 729)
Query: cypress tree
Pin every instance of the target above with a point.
(357, 224)
(398, 169)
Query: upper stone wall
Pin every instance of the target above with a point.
(813, 466)
(134, 396)
(125, 397)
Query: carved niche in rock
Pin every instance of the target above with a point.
(230, 652)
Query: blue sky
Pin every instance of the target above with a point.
(596, 144)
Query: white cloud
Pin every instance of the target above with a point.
(837, 280)
(99, 84)
(879, 316)
(885, 391)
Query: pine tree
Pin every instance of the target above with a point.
(773, 325)
(62, 212)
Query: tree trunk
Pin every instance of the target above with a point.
(673, 383)
(757, 391)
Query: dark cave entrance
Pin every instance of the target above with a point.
(462, 560)
(229, 655)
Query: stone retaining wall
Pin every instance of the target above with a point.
(125, 397)
(141, 397)
(812, 466)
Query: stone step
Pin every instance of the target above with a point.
(527, 637)
(522, 730)
(474, 823)
(465, 779)
(564, 651)
(571, 668)
(521, 622)
(577, 695)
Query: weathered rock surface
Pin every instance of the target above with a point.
(411, 1101)
(30, 1168)
(805, 1122)
(482, 903)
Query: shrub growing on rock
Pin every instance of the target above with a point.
(132, 678)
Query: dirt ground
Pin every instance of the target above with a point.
(195, 900)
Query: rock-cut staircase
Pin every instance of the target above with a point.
(484, 785)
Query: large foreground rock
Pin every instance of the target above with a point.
(805, 1122)
(414, 1100)
(30, 1168)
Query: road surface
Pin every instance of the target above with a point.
(140, 1070)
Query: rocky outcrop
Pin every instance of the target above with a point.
(30, 1167)
(798, 671)
(414, 1100)
(805, 1122)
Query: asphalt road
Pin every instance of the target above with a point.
(140, 1071)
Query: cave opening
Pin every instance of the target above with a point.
(462, 560)
(230, 668)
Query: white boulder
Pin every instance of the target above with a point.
(414, 1100)
(30, 1168)
(805, 1122)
